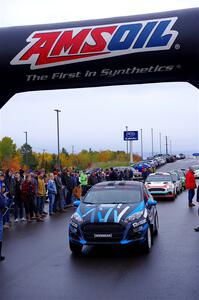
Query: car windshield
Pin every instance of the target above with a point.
(113, 195)
(159, 178)
(175, 177)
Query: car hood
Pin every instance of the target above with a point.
(91, 213)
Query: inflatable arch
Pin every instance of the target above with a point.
(158, 47)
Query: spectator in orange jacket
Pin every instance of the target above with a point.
(190, 186)
(77, 192)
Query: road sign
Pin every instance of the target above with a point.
(130, 135)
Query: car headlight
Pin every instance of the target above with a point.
(77, 218)
(136, 216)
(171, 186)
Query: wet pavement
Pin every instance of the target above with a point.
(39, 264)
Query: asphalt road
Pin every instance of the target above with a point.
(39, 264)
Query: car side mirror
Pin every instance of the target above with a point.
(151, 202)
(76, 203)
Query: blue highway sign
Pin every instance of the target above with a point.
(130, 135)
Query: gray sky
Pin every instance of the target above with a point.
(96, 117)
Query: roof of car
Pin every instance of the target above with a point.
(160, 173)
(119, 183)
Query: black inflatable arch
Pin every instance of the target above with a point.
(158, 47)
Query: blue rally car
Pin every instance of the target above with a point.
(114, 212)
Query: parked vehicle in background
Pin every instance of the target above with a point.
(153, 163)
(180, 156)
(182, 178)
(184, 171)
(177, 181)
(161, 185)
(196, 170)
(137, 175)
(139, 165)
(170, 158)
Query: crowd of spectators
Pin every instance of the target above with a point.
(28, 196)
(35, 194)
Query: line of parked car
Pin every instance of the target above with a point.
(161, 184)
(166, 184)
(151, 164)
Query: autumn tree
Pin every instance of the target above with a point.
(7, 152)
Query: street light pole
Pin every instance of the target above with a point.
(141, 144)
(26, 134)
(131, 152)
(166, 138)
(58, 148)
(170, 148)
(127, 150)
(160, 143)
(152, 141)
(26, 157)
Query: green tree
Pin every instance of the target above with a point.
(28, 158)
(64, 152)
(53, 163)
(7, 149)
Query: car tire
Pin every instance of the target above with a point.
(174, 196)
(156, 225)
(75, 248)
(146, 246)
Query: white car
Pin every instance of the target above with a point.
(196, 171)
(161, 185)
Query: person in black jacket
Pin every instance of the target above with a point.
(113, 175)
(59, 196)
(2, 208)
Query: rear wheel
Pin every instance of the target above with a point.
(75, 248)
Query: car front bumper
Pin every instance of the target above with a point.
(130, 236)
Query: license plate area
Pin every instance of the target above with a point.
(103, 235)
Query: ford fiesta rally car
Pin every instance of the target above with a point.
(117, 213)
(162, 185)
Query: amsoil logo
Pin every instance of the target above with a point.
(51, 48)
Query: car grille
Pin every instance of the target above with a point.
(89, 230)
(156, 190)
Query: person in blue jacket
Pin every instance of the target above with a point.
(52, 191)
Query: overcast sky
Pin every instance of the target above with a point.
(96, 117)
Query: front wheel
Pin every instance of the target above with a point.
(174, 196)
(75, 248)
(146, 247)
